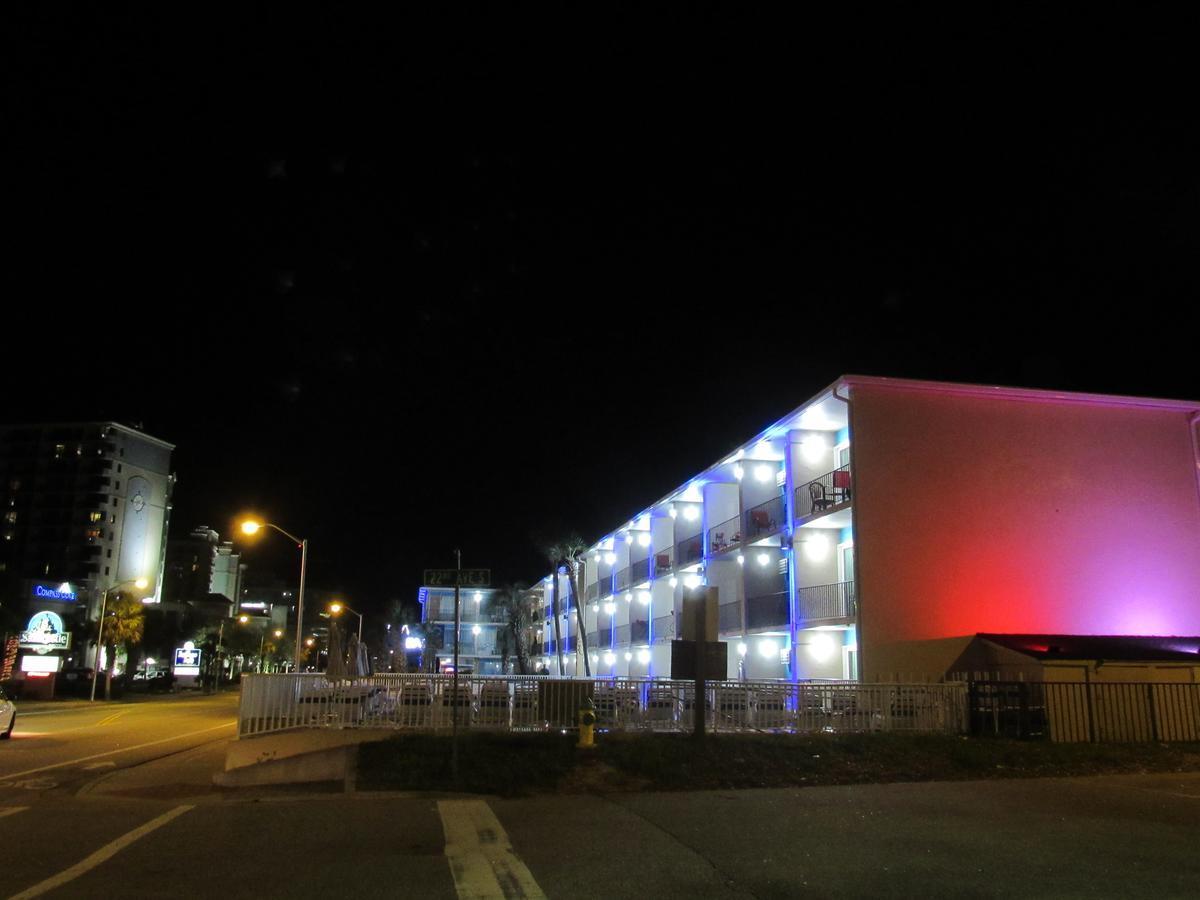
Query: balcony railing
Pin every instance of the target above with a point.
(765, 519)
(593, 592)
(827, 601)
(689, 550)
(830, 490)
(622, 635)
(623, 579)
(725, 536)
(605, 586)
(639, 632)
(664, 629)
(664, 562)
(640, 571)
(767, 610)
(729, 617)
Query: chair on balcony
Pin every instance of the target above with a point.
(662, 562)
(816, 491)
(841, 485)
(762, 521)
(718, 542)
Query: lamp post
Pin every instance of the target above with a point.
(337, 606)
(140, 584)
(252, 527)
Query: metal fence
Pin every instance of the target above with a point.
(831, 489)
(539, 703)
(827, 601)
(1095, 712)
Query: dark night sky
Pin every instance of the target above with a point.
(409, 284)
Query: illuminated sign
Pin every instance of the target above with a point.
(187, 657)
(413, 643)
(40, 663)
(45, 633)
(61, 593)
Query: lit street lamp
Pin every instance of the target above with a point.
(337, 606)
(251, 527)
(140, 584)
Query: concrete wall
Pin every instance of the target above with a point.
(978, 513)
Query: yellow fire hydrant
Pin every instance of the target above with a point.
(587, 724)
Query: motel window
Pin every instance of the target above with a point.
(59, 449)
(10, 516)
(96, 516)
(105, 570)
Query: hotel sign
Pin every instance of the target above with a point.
(45, 633)
(62, 593)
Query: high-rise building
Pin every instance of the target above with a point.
(85, 510)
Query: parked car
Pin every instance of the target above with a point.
(159, 680)
(8, 716)
(77, 682)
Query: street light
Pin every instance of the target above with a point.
(252, 527)
(140, 584)
(337, 606)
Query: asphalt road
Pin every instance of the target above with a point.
(152, 825)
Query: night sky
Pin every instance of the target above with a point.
(404, 285)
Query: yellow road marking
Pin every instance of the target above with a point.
(106, 852)
(480, 854)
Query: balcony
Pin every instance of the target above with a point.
(639, 632)
(767, 611)
(827, 601)
(729, 617)
(664, 562)
(764, 520)
(639, 571)
(664, 628)
(622, 635)
(593, 592)
(689, 550)
(623, 580)
(830, 491)
(725, 536)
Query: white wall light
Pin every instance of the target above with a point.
(821, 647)
(610, 558)
(816, 547)
(610, 607)
(476, 630)
(692, 582)
(738, 472)
(763, 472)
(629, 598)
(478, 596)
(644, 657)
(628, 656)
(595, 607)
(674, 582)
(741, 560)
(764, 559)
(672, 511)
(767, 649)
(629, 538)
(691, 513)
(742, 648)
(609, 658)
(813, 448)
(644, 539)
(644, 598)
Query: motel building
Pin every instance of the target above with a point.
(875, 532)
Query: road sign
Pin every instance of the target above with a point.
(473, 578)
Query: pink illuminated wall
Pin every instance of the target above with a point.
(974, 512)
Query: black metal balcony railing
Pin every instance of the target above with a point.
(729, 617)
(639, 571)
(664, 628)
(604, 637)
(639, 632)
(830, 490)
(622, 635)
(767, 610)
(605, 588)
(689, 550)
(623, 579)
(725, 536)
(827, 601)
(664, 562)
(765, 519)
(593, 592)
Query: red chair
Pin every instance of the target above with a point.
(841, 483)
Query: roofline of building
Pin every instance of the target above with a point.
(942, 387)
(106, 423)
(1012, 393)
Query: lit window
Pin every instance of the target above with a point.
(11, 516)
(59, 449)
(96, 516)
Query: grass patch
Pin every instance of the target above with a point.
(527, 764)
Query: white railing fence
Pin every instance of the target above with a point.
(540, 703)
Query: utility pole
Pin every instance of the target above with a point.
(457, 628)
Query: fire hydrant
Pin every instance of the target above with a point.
(587, 724)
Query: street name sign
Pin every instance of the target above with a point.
(473, 578)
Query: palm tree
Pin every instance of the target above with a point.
(124, 625)
(568, 553)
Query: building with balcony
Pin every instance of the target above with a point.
(874, 531)
(487, 645)
(86, 508)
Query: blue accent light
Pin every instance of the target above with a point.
(843, 436)
(847, 535)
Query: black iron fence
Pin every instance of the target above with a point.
(765, 519)
(830, 490)
(664, 562)
(725, 536)
(1096, 712)
(689, 550)
(827, 601)
(639, 571)
(623, 579)
(767, 610)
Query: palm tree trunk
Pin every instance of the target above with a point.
(575, 595)
(109, 661)
(554, 605)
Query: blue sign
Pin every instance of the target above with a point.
(45, 633)
(187, 658)
(62, 593)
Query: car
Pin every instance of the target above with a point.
(8, 716)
